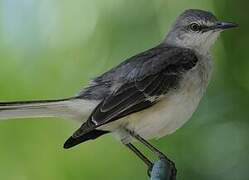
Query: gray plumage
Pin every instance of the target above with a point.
(136, 84)
(152, 93)
(173, 60)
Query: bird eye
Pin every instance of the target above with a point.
(195, 27)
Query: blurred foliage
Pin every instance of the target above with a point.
(51, 48)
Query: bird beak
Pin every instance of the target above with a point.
(225, 25)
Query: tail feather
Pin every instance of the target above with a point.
(71, 142)
(66, 108)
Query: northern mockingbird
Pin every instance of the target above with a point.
(147, 96)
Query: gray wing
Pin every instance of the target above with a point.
(138, 67)
(136, 84)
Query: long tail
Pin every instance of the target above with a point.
(67, 108)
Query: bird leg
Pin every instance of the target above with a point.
(140, 155)
(152, 148)
(157, 152)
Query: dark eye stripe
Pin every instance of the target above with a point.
(198, 28)
(205, 28)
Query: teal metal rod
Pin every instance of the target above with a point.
(162, 170)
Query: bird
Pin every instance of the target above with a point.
(147, 96)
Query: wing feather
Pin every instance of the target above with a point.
(143, 78)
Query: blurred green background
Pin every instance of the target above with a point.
(51, 48)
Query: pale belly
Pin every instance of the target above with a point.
(166, 116)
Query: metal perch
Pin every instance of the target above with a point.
(162, 170)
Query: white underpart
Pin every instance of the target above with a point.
(201, 42)
(171, 112)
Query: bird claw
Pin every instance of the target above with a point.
(149, 170)
(172, 168)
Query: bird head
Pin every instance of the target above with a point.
(197, 30)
